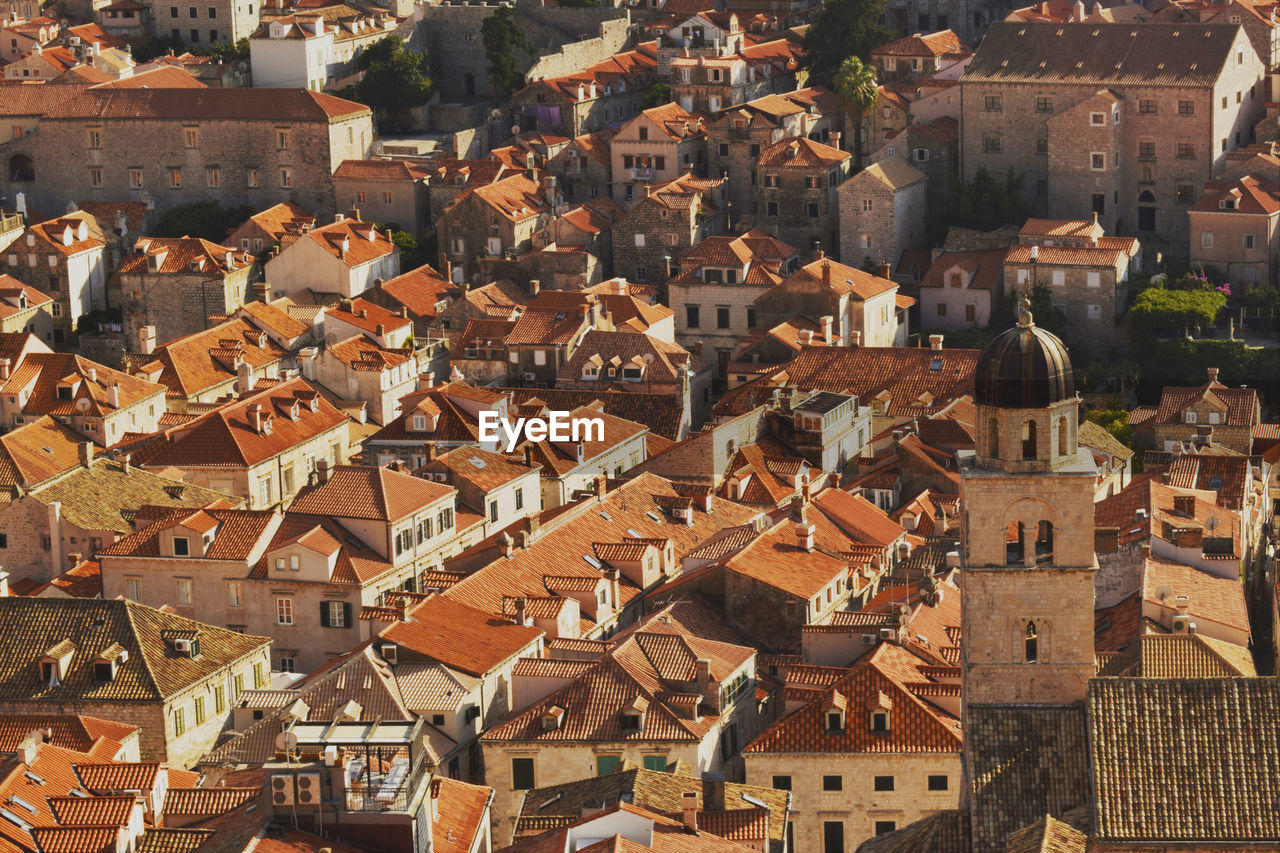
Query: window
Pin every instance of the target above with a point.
(992, 103)
(195, 36)
(288, 663)
(1206, 239)
(1224, 102)
(519, 499)
(1186, 108)
(1146, 107)
(1186, 150)
(219, 699)
(1059, 277)
(833, 783)
(175, 178)
(1098, 161)
(95, 177)
(883, 783)
(942, 309)
(493, 510)
(237, 685)
(133, 589)
(173, 11)
(284, 611)
(971, 313)
(691, 316)
(606, 764)
(991, 145)
(522, 774)
(1147, 148)
(213, 12)
(724, 149)
(811, 209)
(1093, 279)
(771, 180)
(184, 591)
(782, 783)
(213, 176)
(259, 678)
(1097, 119)
(1249, 241)
(191, 137)
(885, 826)
(865, 240)
(1184, 194)
(235, 593)
(181, 546)
(282, 139)
(335, 614)
(286, 178)
(179, 722)
(199, 710)
(938, 782)
(722, 317)
(656, 762)
(1031, 643)
(1095, 312)
(251, 178)
(1044, 105)
(192, 13)
(1099, 203)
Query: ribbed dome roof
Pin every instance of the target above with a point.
(1024, 368)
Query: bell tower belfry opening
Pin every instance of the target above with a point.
(1027, 559)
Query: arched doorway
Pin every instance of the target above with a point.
(1147, 211)
(21, 169)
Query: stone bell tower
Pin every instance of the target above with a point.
(1027, 533)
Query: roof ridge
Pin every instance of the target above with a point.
(142, 652)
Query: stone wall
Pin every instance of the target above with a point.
(571, 58)
(180, 304)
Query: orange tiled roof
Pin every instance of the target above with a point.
(420, 290)
(360, 353)
(801, 152)
(354, 243)
(776, 559)
(279, 219)
(201, 360)
(71, 234)
(181, 256)
(44, 373)
(460, 636)
(38, 451)
(934, 44)
(378, 494)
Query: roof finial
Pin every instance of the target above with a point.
(1025, 319)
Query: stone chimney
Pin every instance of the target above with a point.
(245, 380)
(429, 450)
(323, 469)
(827, 322)
(256, 417)
(401, 607)
(614, 576)
(804, 536)
(885, 271)
(600, 484)
(535, 287)
(935, 343)
(522, 617)
(1182, 603)
(1213, 374)
(1185, 505)
(855, 338)
(6, 365)
(113, 395)
(689, 810)
(147, 340)
(507, 544)
(86, 453)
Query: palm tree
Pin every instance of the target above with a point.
(856, 86)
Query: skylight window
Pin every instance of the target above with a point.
(935, 365)
(631, 531)
(653, 515)
(33, 778)
(476, 461)
(606, 516)
(592, 561)
(15, 820)
(15, 800)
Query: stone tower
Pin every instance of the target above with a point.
(1027, 534)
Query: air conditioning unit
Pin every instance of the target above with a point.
(182, 645)
(281, 790)
(308, 791)
(1183, 624)
(868, 639)
(389, 654)
(529, 377)
(886, 634)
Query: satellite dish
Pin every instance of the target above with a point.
(83, 404)
(1212, 524)
(1164, 591)
(286, 741)
(330, 339)
(495, 114)
(515, 130)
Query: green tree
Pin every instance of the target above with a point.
(855, 86)
(658, 94)
(502, 35)
(411, 253)
(395, 81)
(206, 219)
(224, 51)
(845, 28)
(1159, 311)
(984, 203)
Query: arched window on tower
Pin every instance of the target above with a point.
(995, 438)
(1013, 544)
(1029, 440)
(1031, 643)
(1062, 436)
(1044, 542)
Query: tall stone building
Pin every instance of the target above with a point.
(1124, 121)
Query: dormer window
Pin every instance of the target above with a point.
(880, 720)
(64, 392)
(835, 720)
(181, 546)
(419, 423)
(590, 371)
(1227, 204)
(634, 716)
(552, 718)
(1191, 417)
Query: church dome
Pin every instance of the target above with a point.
(1024, 368)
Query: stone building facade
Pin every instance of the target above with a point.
(664, 224)
(65, 258)
(497, 220)
(208, 23)
(795, 192)
(1095, 135)
(237, 147)
(882, 213)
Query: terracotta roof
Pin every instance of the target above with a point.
(901, 375)
(1034, 761)
(209, 104)
(481, 468)
(986, 266)
(1047, 835)
(359, 491)
(1107, 257)
(269, 317)
(153, 671)
(43, 373)
(1213, 598)
(858, 517)
(460, 636)
(841, 279)
(516, 197)
(1098, 438)
(1155, 54)
(662, 413)
(204, 359)
(667, 836)
(1149, 741)
(182, 256)
(207, 801)
(801, 152)
(420, 290)
(1227, 476)
(933, 44)
(360, 353)
(464, 810)
(226, 437)
(941, 832)
(1246, 195)
(16, 297)
(37, 452)
(70, 731)
(374, 170)
(894, 172)
(283, 218)
(662, 362)
(684, 193)
(1192, 656)
(354, 243)
(776, 559)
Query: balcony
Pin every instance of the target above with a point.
(375, 784)
(641, 173)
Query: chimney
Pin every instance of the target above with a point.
(1182, 603)
(254, 413)
(245, 379)
(522, 540)
(535, 287)
(1213, 374)
(521, 615)
(113, 395)
(1185, 505)
(322, 471)
(818, 254)
(826, 272)
(126, 462)
(528, 456)
(615, 593)
(260, 291)
(91, 373)
(935, 343)
(827, 321)
(507, 544)
(806, 337)
(804, 536)
(5, 366)
(354, 214)
(147, 340)
(885, 270)
(855, 338)
(689, 810)
(429, 448)
(86, 453)
(601, 483)
(401, 607)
